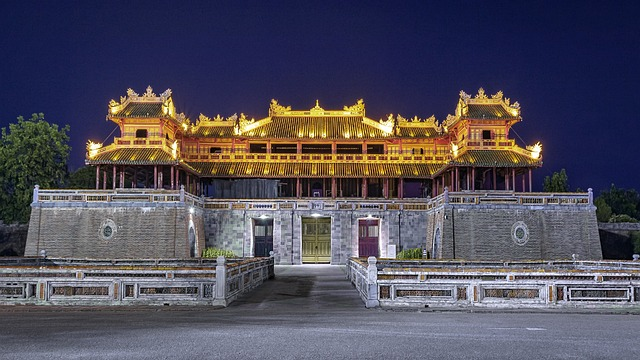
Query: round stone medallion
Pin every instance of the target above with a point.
(520, 233)
(108, 229)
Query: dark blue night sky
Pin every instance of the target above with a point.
(573, 66)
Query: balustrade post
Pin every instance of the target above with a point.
(372, 283)
(35, 194)
(181, 193)
(221, 282)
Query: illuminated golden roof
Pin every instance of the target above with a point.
(497, 158)
(316, 127)
(133, 156)
(342, 170)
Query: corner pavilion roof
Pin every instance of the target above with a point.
(133, 156)
(495, 158)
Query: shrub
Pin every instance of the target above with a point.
(410, 254)
(215, 252)
(622, 218)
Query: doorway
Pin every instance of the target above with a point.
(262, 237)
(368, 237)
(316, 240)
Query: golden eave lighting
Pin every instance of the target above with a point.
(535, 150)
(93, 148)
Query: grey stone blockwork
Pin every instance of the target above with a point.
(108, 231)
(473, 232)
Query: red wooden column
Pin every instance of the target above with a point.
(155, 176)
(298, 188)
(524, 189)
(457, 184)
(173, 184)
(530, 182)
(495, 178)
(97, 177)
(122, 177)
(506, 180)
(364, 188)
(334, 190)
(400, 188)
(385, 188)
(114, 178)
(134, 182)
(161, 177)
(513, 178)
(473, 178)
(104, 180)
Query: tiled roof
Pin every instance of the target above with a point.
(144, 109)
(344, 170)
(316, 127)
(488, 111)
(497, 158)
(417, 132)
(133, 156)
(214, 131)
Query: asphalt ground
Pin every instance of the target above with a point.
(312, 312)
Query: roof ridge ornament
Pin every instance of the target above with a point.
(149, 93)
(357, 108)
(276, 109)
(317, 108)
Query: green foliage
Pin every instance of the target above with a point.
(83, 178)
(31, 152)
(635, 238)
(622, 218)
(558, 182)
(410, 254)
(215, 252)
(603, 210)
(622, 201)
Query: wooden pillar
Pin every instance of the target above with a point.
(473, 178)
(400, 188)
(298, 188)
(385, 188)
(364, 188)
(524, 189)
(134, 182)
(161, 177)
(495, 178)
(113, 185)
(122, 177)
(97, 177)
(173, 184)
(333, 188)
(506, 180)
(104, 180)
(155, 176)
(513, 178)
(189, 189)
(530, 181)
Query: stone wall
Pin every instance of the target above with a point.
(113, 230)
(519, 232)
(13, 239)
(233, 230)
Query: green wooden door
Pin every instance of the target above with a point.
(316, 240)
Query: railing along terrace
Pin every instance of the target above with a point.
(181, 196)
(329, 158)
(46, 281)
(446, 283)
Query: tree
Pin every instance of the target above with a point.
(622, 201)
(558, 182)
(603, 210)
(31, 152)
(83, 178)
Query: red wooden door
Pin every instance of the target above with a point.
(368, 235)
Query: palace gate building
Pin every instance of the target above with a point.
(318, 186)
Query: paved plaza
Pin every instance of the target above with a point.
(311, 312)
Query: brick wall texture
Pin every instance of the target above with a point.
(473, 232)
